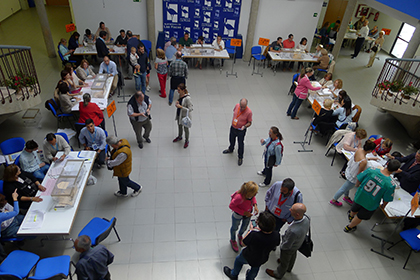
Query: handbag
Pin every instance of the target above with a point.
(186, 121)
(307, 246)
(374, 48)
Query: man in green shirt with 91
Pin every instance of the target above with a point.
(373, 186)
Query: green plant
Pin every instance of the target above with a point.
(410, 89)
(20, 81)
(384, 85)
(396, 86)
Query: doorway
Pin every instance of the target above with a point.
(335, 11)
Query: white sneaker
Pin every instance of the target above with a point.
(136, 193)
(262, 185)
(119, 194)
(148, 88)
(260, 173)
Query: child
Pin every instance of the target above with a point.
(133, 60)
(241, 204)
(259, 241)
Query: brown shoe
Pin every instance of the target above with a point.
(295, 118)
(271, 273)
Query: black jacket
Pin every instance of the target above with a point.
(27, 188)
(409, 177)
(101, 48)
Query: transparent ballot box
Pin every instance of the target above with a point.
(66, 187)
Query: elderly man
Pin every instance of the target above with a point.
(409, 173)
(109, 67)
(30, 161)
(291, 241)
(138, 109)
(169, 43)
(279, 199)
(93, 262)
(121, 163)
(93, 139)
(361, 36)
(242, 119)
(178, 71)
(54, 143)
(101, 47)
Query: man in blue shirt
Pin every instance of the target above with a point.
(30, 161)
(171, 51)
(108, 66)
(93, 139)
(93, 262)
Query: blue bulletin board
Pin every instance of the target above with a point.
(207, 18)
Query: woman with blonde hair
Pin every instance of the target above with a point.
(84, 70)
(161, 66)
(336, 87)
(242, 203)
(323, 61)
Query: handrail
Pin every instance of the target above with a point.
(15, 47)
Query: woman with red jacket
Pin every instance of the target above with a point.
(301, 92)
(89, 110)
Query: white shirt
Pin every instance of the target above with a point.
(217, 46)
(364, 31)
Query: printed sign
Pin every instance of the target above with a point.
(111, 109)
(386, 30)
(207, 18)
(264, 42)
(414, 203)
(235, 42)
(70, 27)
(316, 106)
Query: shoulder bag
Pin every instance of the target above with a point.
(307, 246)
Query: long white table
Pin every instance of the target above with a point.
(217, 54)
(55, 221)
(289, 55)
(91, 50)
(102, 102)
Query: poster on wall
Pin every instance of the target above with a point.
(207, 18)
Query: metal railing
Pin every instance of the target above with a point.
(395, 69)
(18, 79)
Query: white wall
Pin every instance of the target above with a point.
(244, 19)
(282, 17)
(121, 14)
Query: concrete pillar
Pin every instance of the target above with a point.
(413, 44)
(45, 27)
(253, 15)
(151, 29)
(351, 5)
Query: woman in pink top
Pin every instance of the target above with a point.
(241, 204)
(301, 92)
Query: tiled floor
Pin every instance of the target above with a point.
(178, 228)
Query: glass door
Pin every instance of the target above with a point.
(402, 40)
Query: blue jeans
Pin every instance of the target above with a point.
(125, 182)
(345, 188)
(140, 81)
(294, 106)
(171, 95)
(239, 262)
(236, 220)
(40, 173)
(12, 229)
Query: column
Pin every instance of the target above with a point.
(413, 44)
(151, 30)
(351, 5)
(45, 27)
(253, 15)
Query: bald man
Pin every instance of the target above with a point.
(242, 119)
(291, 241)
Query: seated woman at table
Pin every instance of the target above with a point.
(10, 219)
(356, 164)
(88, 38)
(67, 101)
(344, 113)
(336, 87)
(74, 80)
(383, 146)
(66, 53)
(303, 46)
(318, 51)
(85, 71)
(323, 61)
(350, 142)
(326, 82)
(26, 185)
(90, 110)
(325, 115)
(74, 41)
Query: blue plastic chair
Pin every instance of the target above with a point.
(60, 116)
(63, 61)
(1, 187)
(293, 86)
(230, 49)
(52, 268)
(148, 45)
(410, 238)
(62, 134)
(18, 264)
(375, 136)
(256, 54)
(12, 145)
(17, 161)
(98, 229)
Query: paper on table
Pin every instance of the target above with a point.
(348, 154)
(34, 219)
(83, 154)
(49, 185)
(55, 171)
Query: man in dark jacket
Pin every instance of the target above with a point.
(101, 47)
(409, 173)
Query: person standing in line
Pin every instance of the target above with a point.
(378, 44)
(292, 240)
(143, 61)
(259, 242)
(183, 106)
(242, 202)
(178, 71)
(138, 109)
(121, 163)
(361, 36)
(161, 66)
(242, 119)
(273, 154)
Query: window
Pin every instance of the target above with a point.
(402, 40)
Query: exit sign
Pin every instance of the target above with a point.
(315, 14)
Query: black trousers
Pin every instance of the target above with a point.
(240, 134)
(358, 46)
